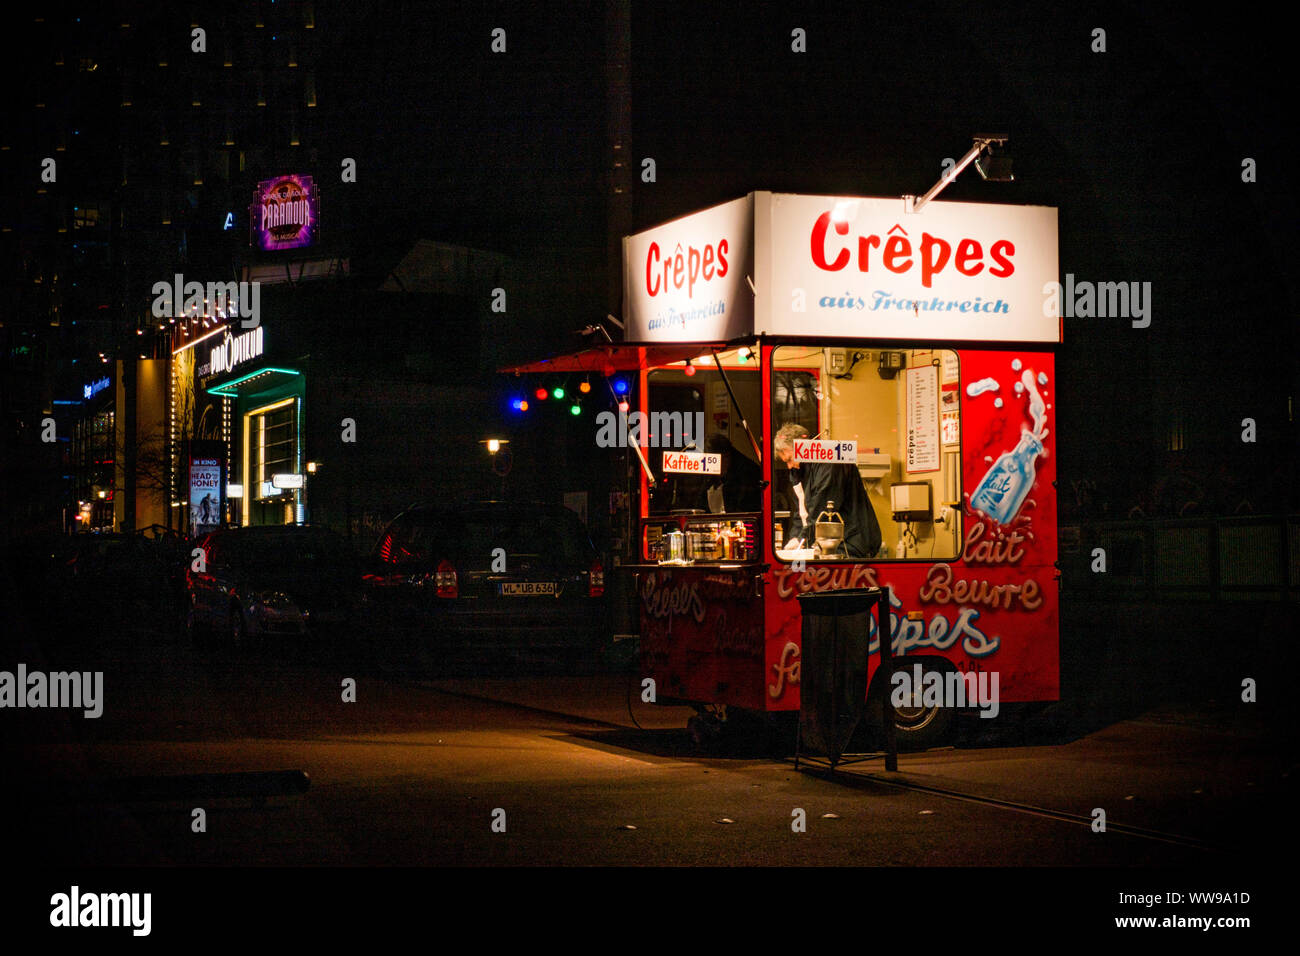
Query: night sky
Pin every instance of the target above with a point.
(1140, 147)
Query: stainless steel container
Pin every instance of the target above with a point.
(702, 546)
(829, 530)
(674, 546)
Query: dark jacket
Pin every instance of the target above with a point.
(843, 485)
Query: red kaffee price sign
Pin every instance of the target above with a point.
(825, 451)
(692, 463)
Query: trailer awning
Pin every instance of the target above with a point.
(607, 359)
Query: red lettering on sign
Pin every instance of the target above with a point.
(819, 244)
(969, 256)
(898, 255)
(685, 267)
(651, 279)
(1002, 252)
(929, 264)
(896, 248)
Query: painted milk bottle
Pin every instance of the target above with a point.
(1003, 488)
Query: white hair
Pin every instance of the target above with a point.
(786, 435)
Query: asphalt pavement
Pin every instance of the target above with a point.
(408, 770)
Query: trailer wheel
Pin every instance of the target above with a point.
(919, 728)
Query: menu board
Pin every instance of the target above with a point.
(923, 419)
(950, 367)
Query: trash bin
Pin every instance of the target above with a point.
(835, 633)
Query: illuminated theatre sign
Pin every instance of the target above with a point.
(284, 213)
(233, 349)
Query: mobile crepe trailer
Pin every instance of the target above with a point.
(917, 347)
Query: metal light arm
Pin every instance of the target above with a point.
(913, 204)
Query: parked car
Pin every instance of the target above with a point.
(115, 576)
(503, 579)
(273, 583)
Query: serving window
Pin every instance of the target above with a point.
(693, 411)
(719, 538)
(707, 496)
(900, 407)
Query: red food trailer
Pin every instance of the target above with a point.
(914, 347)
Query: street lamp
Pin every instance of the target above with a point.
(501, 459)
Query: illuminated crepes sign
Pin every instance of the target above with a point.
(284, 213)
(688, 280)
(846, 267)
(853, 266)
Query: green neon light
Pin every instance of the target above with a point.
(221, 389)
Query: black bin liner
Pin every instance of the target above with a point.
(833, 667)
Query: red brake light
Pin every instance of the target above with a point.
(596, 582)
(445, 580)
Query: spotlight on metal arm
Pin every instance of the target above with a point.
(992, 166)
(594, 328)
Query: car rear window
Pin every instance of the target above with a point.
(470, 539)
(292, 550)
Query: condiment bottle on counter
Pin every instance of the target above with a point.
(742, 541)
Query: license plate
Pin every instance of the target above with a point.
(527, 588)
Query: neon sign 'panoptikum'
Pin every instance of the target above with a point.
(235, 349)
